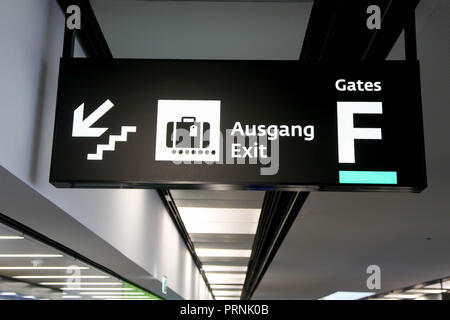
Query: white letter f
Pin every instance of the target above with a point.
(347, 134)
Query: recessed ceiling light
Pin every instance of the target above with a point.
(445, 285)
(80, 283)
(113, 293)
(37, 255)
(403, 296)
(226, 286)
(97, 289)
(118, 299)
(426, 291)
(11, 237)
(347, 295)
(220, 220)
(223, 293)
(235, 253)
(124, 298)
(219, 268)
(226, 278)
(43, 268)
(226, 274)
(60, 277)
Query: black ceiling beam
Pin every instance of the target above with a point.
(69, 43)
(410, 36)
(320, 22)
(278, 213)
(398, 17)
(337, 29)
(90, 35)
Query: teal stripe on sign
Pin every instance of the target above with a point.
(368, 177)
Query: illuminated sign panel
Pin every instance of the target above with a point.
(283, 125)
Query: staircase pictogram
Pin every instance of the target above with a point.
(112, 143)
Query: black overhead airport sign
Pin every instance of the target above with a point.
(270, 125)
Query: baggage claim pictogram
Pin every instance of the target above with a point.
(188, 130)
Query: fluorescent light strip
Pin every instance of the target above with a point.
(38, 255)
(445, 285)
(97, 289)
(113, 293)
(402, 296)
(214, 268)
(221, 214)
(226, 286)
(220, 220)
(426, 291)
(61, 277)
(226, 278)
(71, 297)
(227, 298)
(124, 298)
(235, 253)
(80, 283)
(29, 297)
(347, 295)
(11, 238)
(223, 293)
(44, 268)
(8, 294)
(216, 275)
(141, 298)
(118, 299)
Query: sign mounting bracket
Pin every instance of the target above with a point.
(410, 36)
(69, 40)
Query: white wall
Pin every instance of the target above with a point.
(135, 222)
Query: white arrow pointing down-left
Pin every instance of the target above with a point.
(82, 128)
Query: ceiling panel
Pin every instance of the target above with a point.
(218, 199)
(203, 238)
(220, 220)
(204, 30)
(234, 195)
(224, 261)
